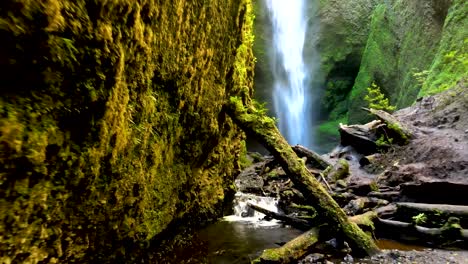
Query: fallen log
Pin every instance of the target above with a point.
(361, 137)
(405, 230)
(263, 128)
(314, 158)
(289, 220)
(339, 171)
(386, 211)
(358, 205)
(365, 221)
(395, 129)
(447, 209)
(390, 196)
(292, 251)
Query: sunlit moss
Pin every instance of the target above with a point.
(111, 120)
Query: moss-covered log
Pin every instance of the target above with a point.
(395, 129)
(254, 122)
(291, 251)
(314, 158)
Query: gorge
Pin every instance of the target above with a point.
(117, 140)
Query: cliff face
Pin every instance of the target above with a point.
(111, 120)
(404, 53)
(409, 51)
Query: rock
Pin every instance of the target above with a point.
(349, 259)
(249, 181)
(341, 184)
(313, 258)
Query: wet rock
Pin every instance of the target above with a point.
(313, 258)
(249, 181)
(348, 259)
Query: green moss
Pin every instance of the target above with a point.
(378, 63)
(451, 60)
(330, 128)
(244, 159)
(402, 136)
(112, 124)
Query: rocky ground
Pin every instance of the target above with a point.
(431, 168)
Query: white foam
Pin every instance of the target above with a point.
(243, 213)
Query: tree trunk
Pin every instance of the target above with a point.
(263, 128)
(292, 221)
(396, 130)
(314, 158)
(292, 251)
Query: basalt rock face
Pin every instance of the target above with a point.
(414, 49)
(112, 123)
(411, 49)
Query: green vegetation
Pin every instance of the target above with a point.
(450, 64)
(112, 124)
(377, 100)
(331, 127)
(419, 219)
(378, 63)
(411, 49)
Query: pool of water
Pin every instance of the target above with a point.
(226, 242)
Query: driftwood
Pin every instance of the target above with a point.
(395, 129)
(453, 210)
(314, 158)
(358, 205)
(264, 129)
(386, 211)
(405, 230)
(289, 220)
(390, 196)
(292, 251)
(446, 209)
(361, 137)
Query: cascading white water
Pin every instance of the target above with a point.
(242, 212)
(291, 96)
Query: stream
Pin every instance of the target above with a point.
(238, 238)
(241, 237)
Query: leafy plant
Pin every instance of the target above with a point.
(377, 100)
(420, 76)
(384, 141)
(419, 219)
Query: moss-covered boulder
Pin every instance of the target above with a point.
(112, 123)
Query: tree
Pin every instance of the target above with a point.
(377, 100)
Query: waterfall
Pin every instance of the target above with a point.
(242, 212)
(291, 93)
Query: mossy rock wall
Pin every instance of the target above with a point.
(112, 123)
(404, 38)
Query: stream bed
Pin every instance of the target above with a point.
(241, 237)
